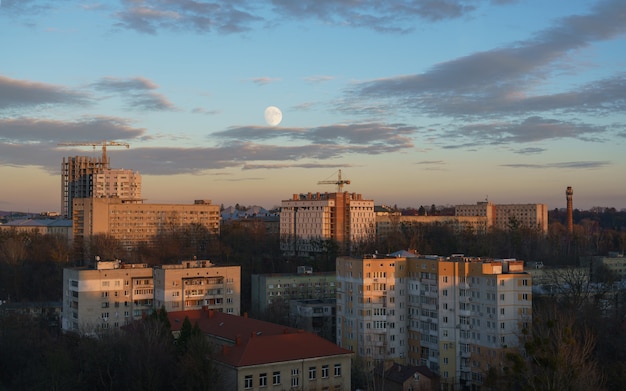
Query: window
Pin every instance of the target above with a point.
(525, 296)
(337, 369)
(263, 380)
(312, 373)
(525, 282)
(324, 371)
(295, 381)
(247, 382)
(276, 377)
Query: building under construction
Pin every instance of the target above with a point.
(87, 177)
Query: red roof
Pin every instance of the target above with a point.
(251, 341)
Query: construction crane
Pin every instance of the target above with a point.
(339, 182)
(94, 144)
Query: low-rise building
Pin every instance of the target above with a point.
(256, 355)
(268, 289)
(314, 315)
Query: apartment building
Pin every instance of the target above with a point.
(307, 220)
(372, 317)
(390, 223)
(196, 284)
(503, 216)
(305, 284)
(112, 294)
(105, 297)
(132, 222)
(255, 355)
(456, 315)
(86, 177)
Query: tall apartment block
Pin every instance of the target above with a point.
(305, 284)
(308, 219)
(501, 216)
(86, 177)
(113, 294)
(132, 222)
(194, 285)
(457, 315)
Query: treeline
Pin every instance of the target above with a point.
(145, 356)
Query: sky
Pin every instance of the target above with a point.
(417, 102)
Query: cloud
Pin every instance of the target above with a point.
(430, 162)
(385, 136)
(48, 132)
(563, 165)
(502, 81)
(202, 110)
(282, 165)
(186, 15)
(228, 17)
(137, 91)
(264, 80)
(530, 129)
(530, 151)
(23, 94)
(319, 79)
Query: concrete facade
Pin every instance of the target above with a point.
(456, 315)
(501, 216)
(307, 219)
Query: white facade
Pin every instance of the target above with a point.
(307, 220)
(119, 183)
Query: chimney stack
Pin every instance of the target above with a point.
(569, 193)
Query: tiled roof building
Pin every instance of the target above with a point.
(255, 355)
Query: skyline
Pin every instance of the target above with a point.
(417, 102)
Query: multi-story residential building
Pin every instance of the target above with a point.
(133, 222)
(86, 177)
(196, 284)
(117, 183)
(372, 318)
(457, 315)
(307, 220)
(267, 289)
(504, 216)
(256, 355)
(110, 295)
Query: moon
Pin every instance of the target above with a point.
(273, 115)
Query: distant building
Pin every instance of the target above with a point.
(314, 315)
(391, 224)
(268, 289)
(257, 355)
(307, 220)
(456, 315)
(398, 377)
(194, 284)
(113, 293)
(615, 263)
(133, 222)
(504, 216)
(86, 177)
(59, 227)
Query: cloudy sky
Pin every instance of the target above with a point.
(416, 101)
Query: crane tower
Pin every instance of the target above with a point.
(94, 144)
(339, 182)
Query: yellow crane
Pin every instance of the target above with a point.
(339, 182)
(94, 144)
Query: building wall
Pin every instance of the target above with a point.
(457, 315)
(500, 216)
(343, 217)
(390, 224)
(194, 285)
(296, 369)
(134, 222)
(119, 183)
(106, 298)
(266, 288)
(371, 307)
(114, 294)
